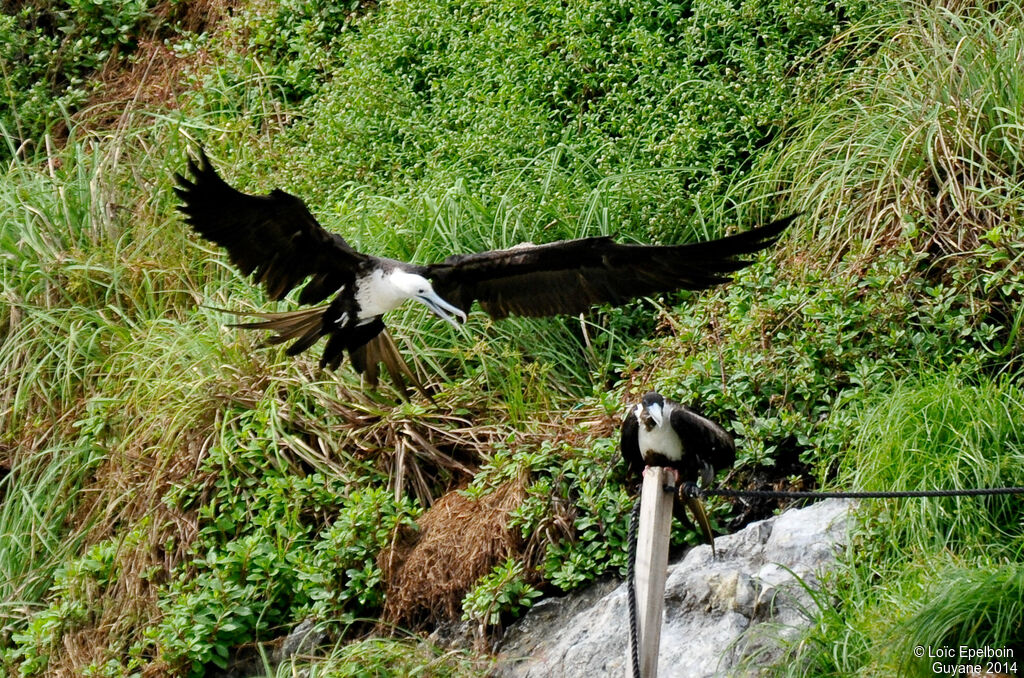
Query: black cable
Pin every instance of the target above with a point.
(631, 588)
(694, 491)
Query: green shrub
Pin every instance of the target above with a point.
(779, 355)
(659, 104)
(302, 41)
(503, 592)
(71, 606)
(275, 546)
(259, 583)
(574, 513)
(49, 50)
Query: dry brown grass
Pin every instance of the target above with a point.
(154, 76)
(460, 540)
(152, 79)
(424, 448)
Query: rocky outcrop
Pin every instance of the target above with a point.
(718, 611)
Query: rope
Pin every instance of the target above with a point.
(692, 490)
(631, 588)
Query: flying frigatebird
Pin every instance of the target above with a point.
(277, 240)
(661, 432)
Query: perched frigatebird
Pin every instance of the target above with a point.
(661, 432)
(277, 240)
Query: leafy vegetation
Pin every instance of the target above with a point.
(504, 591)
(174, 496)
(565, 117)
(49, 50)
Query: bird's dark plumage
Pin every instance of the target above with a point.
(570, 276)
(279, 242)
(661, 432)
(274, 237)
(704, 443)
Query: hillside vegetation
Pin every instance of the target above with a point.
(175, 497)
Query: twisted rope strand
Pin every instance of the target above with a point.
(631, 588)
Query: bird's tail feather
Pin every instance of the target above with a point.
(697, 509)
(382, 350)
(305, 326)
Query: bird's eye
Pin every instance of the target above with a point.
(422, 291)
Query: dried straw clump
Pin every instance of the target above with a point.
(461, 539)
(154, 76)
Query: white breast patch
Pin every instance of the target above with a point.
(376, 294)
(661, 440)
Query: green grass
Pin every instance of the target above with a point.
(945, 435)
(386, 658)
(921, 140)
(37, 524)
(974, 608)
(934, 572)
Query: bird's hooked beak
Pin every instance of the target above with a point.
(442, 308)
(651, 416)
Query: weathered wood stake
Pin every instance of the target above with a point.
(652, 566)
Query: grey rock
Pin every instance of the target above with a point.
(717, 610)
(303, 639)
(249, 662)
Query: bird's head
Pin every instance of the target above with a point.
(651, 410)
(415, 286)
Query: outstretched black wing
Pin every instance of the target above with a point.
(570, 276)
(704, 442)
(629, 444)
(273, 237)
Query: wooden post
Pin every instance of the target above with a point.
(652, 566)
